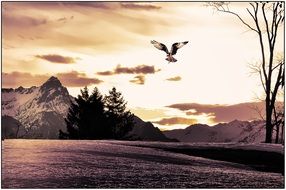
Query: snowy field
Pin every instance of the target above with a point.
(119, 164)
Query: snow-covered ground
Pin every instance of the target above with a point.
(122, 164)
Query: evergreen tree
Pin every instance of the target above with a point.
(120, 121)
(95, 117)
(86, 116)
(72, 120)
(83, 122)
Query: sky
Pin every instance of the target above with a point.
(106, 44)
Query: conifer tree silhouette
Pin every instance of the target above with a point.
(120, 121)
(95, 117)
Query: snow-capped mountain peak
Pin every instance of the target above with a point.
(31, 105)
(52, 89)
(51, 83)
(13, 99)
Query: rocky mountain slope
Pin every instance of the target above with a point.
(235, 131)
(146, 131)
(41, 110)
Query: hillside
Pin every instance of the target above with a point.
(235, 131)
(147, 132)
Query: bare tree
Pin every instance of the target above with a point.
(265, 20)
(278, 110)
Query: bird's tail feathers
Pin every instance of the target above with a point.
(171, 59)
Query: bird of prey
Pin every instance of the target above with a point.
(173, 51)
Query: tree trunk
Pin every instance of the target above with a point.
(282, 134)
(269, 127)
(268, 138)
(277, 134)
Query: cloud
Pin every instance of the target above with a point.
(65, 19)
(87, 5)
(15, 79)
(105, 73)
(177, 78)
(149, 114)
(139, 79)
(176, 121)
(54, 58)
(141, 69)
(96, 5)
(23, 21)
(223, 113)
(7, 46)
(69, 79)
(140, 6)
(58, 5)
(112, 5)
(75, 79)
(52, 20)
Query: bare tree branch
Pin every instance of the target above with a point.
(221, 8)
(277, 66)
(259, 111)
(266, 23)
(262, 81)
(250, 14)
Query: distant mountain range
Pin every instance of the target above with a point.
(235, 131)
(39, 112)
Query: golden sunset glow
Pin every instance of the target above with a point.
(106, 44)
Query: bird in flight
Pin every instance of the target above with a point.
(173, 51)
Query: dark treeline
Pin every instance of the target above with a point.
(93, 116)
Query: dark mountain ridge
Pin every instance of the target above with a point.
(234, 131)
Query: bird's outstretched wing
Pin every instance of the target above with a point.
(177, 46)
(160, 46)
